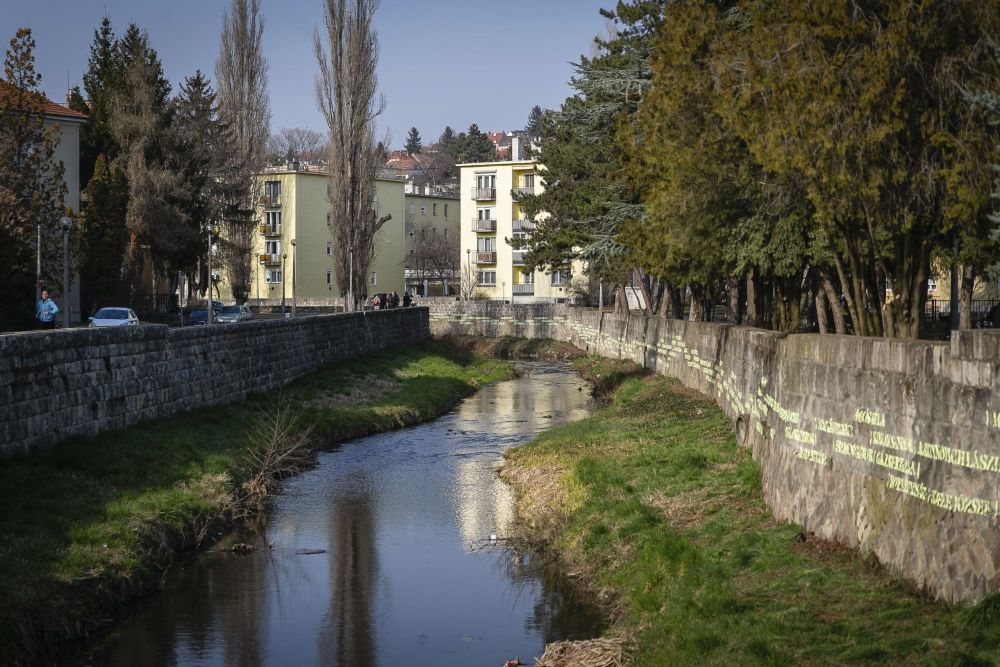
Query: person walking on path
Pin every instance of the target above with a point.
(407, 300)
(46, 311)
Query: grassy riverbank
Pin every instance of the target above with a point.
(652, 502)
(93, 522)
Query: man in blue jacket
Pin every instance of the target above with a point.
(46, 311)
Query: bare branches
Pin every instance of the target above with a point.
(241, 77)
(346, 92)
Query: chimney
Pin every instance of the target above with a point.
(515, 148)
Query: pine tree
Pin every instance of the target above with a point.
(100, 83)
(446, 140)
(32, 189)
(413, 144)
(534, 126)
(104, 236)
(474, 146)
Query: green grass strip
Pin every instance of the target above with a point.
(662, 510)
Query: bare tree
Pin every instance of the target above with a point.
(241, 77)
(434, 259)
(470, 281)
(346, 91)
(298, 143)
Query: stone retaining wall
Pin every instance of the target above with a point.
(889, 446)
(58, 384)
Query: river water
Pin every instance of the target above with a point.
(380, 555)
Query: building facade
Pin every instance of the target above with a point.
(491, 219)
(68, 123)
(295, 208)
(433, 241)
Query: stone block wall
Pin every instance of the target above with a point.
(58, 384)
(889, 446)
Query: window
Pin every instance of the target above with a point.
(486, 244)
(272, 189)
(409, 228)
(329, 277)
(446, 210)
(528, 180)
(411, 208)
(423, 209)
(272, 247)
(329, 219)
(528, 278)
(273, 220)
(486, 181)
(486, 212)
(329, 248)
(486, 277)
(434, 209)
(272, 276)
(423, 232)
(561, 277)
(374, 279)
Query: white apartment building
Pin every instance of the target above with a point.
(491, 219)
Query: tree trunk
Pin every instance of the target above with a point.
(673, 302)
(647, 297)
(832, 299)
(621, 300)
(753, 317)
(965, 297)
(733, 299)
(821, 315)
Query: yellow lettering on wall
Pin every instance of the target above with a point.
(875, 457)
(798, 435)
(993, 419)
(807, 454)
(870, 417)
(892, 441)
(836, 428)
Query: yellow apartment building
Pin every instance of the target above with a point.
(491, 218)
(433, 227)
(295, 207)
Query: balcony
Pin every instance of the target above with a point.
(271, 260)
(517, 192)
(270, 201)
(480, 194)
(486, 258)
(523, 225)
(268, 230)
(518, 257)
(484, 225)
(523, 288)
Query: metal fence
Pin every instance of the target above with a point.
(940, 309)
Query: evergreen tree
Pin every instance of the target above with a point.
(534, 126)
(474, 146)
(103, 236)
(413, 144)
(445, 141)
(32, 189)
(100, 83)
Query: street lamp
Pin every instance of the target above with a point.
(66, 224)
(293, 277)
(209, 312)
(284, 256)
(468, 287)
(503, 291)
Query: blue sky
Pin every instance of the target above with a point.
(443, 62)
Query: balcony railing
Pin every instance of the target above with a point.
(484, 225)
(270, 201)
(517, 192)
(270, 260)
(523, 288)
(518, 256)
(484, 193)
(268, 230)
(523, 225)
(486, 258)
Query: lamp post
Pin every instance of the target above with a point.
(503, 291)
(66, 224)
(38, 266)
(209, 312)
(468, 288)
(294, 253)
(284, 256)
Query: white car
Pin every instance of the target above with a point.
(114, 317)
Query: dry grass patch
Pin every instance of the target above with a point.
(610, 651)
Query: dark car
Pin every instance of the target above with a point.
(991, 320)
(197, 317)
(231, 314)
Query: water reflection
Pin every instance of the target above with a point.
(376, 557)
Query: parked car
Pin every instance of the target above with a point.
(991, 320)
(231, 314)
(114, 317)
(196, 317)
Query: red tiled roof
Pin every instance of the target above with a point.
(49, 107)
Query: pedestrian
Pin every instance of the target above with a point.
(46, 311)
(394, 300)
(407, 300)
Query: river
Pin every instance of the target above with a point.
(380, 555)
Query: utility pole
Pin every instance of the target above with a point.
(284, 256)
(209, 312)
(66, 224)
(38, 266)
(294, 253)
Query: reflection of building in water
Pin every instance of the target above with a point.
(348, 634)
(484, 504)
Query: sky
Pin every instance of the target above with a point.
(442, 62)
